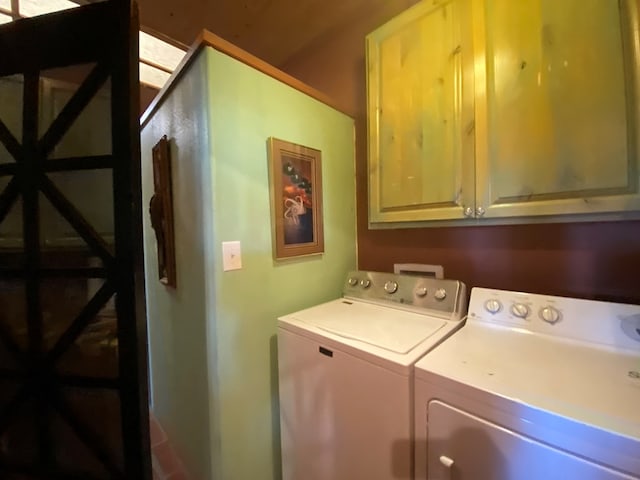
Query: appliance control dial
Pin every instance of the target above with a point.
(520, 310)
(353, 281)
(492, 306)
(421, 292)
(365, 283)
(550, 314)
(391, 286)
(440, 294)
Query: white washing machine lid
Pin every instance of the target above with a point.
(594, 386)
(391, 329)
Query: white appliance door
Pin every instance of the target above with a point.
(462, 446)
(341, 418)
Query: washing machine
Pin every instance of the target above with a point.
(346, 375)
(533, 387)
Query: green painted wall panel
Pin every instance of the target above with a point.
(246, 108)
(178, 319)
(213, 340)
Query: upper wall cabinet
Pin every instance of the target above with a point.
(420, 113)
(535, 119)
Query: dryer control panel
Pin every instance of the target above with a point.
(612, 324)
(447, 298)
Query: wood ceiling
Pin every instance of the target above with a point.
(274, 30)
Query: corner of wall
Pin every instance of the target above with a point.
(178, 319)
(211, 240)
(247, 107)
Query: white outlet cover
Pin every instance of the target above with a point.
(231, 256)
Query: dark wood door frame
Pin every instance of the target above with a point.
(104, 34)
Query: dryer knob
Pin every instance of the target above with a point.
(492, 306)
(440, 294)
(365, 283)
(353, 281)
(520, 310)
(391, 286)
(550, 315)
(421, 291)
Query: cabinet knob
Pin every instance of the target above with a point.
(479, 212)
(468, 212)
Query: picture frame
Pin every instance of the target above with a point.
(161, 213)
(295, 173)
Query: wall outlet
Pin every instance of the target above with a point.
(231, 256)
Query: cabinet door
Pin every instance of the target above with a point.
(420, 114)
(557, 121)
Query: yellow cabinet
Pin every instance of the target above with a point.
(545, 109)
(420, 115)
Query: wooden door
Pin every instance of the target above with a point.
(73, 368)
(420, 113)
(557, 107)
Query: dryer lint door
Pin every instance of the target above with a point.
(462, 446)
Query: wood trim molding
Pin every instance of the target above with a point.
(208, 39)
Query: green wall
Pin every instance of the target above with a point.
(246, 108)
(219, 119)
(177, 319)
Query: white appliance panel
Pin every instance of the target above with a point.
(395, 330)
(534, 386)
(341, 418)
(604, 324)
(463, 446)
(590, 385)
(305, 323)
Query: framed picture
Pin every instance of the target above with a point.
(161, 213)
(296, 199)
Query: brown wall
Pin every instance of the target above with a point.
(591, 260)
(147, 94)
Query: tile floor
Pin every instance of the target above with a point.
(166, 463)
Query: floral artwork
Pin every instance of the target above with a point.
(296, 199)
(297, 196)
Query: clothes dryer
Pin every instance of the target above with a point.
(533, 387)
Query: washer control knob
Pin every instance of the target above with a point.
(440, 294)
(391, 286)
(365, 283)
(353, 281)
(421, 291)
(520, 310)
(493, 306)
(550, 314)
